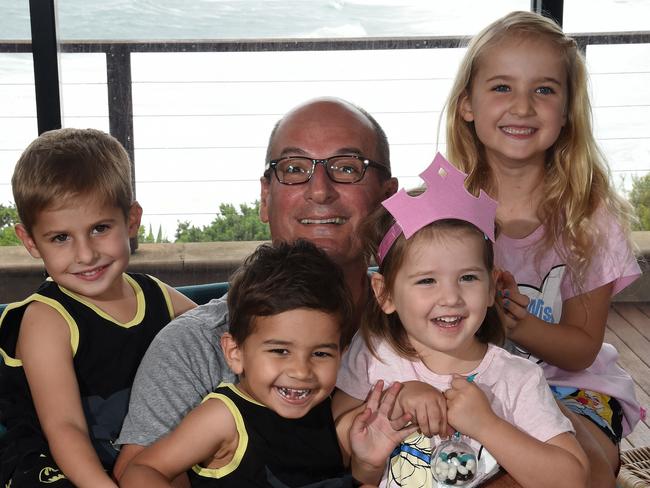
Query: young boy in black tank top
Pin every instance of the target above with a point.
(289, 308)
(70, 351)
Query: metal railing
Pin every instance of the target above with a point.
(118, 59)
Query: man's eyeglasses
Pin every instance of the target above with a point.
(347, 168)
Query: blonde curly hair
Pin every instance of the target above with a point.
(577, 179)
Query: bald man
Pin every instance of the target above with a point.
(185, 362)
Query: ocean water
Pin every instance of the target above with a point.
(201, 120)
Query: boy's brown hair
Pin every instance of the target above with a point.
(284, 277)
(68, 163)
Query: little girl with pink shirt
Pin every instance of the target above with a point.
(433, 322)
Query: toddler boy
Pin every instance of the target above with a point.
(289, 309)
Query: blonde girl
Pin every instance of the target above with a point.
(519, 123)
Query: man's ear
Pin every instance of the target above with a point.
(390, 187)
(26, 239)
(232, 353)
(465, 107)
(265, 184)
(381, 294)
(135, 216)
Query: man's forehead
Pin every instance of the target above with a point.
(301, 151)
(335, 127)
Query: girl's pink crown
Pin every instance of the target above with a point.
(444, 198)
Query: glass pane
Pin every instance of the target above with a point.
(17, 97)
(606, 15)
(197, 110)
(14, 20)
(620, 83)
(194, 111)
(252, 19)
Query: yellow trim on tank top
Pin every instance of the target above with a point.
(140, 304)
(242, 444)
(165, 292)
(72, 325)
(232, 387)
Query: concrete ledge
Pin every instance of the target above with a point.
(190, 263)
(206, 262)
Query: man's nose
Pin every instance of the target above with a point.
(320, 188)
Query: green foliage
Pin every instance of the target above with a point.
(229, 225)
(639, 197)
(149, 238)
(8, 219)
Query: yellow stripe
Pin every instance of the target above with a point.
(72, 325)
(241, 394)
(9, 361)
(165, 292)
(140, 304)
(241, 445)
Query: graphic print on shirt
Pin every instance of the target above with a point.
(409, 464)
(545, 304)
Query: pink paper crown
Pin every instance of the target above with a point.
(444, 198)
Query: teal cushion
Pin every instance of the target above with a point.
(201, 294)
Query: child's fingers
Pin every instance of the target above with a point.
(450, 394)
(389, 398)
(361, 420)
(375, 395)
(407, 431)
(403, 427)
(516, 308)
(423, 421)
(460, 382)
(507, 279)
(442, 425)
(402, 422)
(514, 296)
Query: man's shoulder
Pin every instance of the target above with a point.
(205, 319)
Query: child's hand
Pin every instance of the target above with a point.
(512, 306)
(468, 409)
(373, 436)
(427, 406)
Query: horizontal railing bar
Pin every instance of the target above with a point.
(237, 115)
(340, 44)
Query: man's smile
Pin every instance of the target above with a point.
(331, 220)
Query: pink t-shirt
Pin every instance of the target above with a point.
(546, 281)
(544, 278)
(515, 388)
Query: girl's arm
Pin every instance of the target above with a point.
(559, 462)
(45, 350)
(179, 301)
(208, 433)
(574, 342)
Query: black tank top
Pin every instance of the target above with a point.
(277, 452)
(106, 357)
